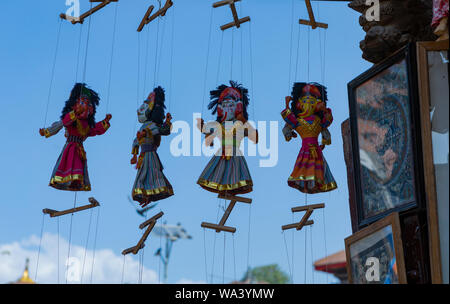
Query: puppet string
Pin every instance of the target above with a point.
(290, 46)
(70, 233)
(87, 242)
(40, 243)
(112, 57)
(287, 256)
(95, 243)
(171, 57)
(58, 35)
(207, 60)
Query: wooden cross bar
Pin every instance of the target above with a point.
(237, 22)
(150, 224)
(305, 219)
(221, 226)
(53, 213)
(161, 12)
(80, 19)
(312, 21)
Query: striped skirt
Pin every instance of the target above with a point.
(226, 175)
(151, 185)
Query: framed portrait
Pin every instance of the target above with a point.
(385, 138)
(375, 253)
(432, 65)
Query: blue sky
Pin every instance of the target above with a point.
(28, 33)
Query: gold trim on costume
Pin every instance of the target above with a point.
(220, 187)
(72, 115)
(57, 181)
(105, 125)
(285, 113)
(145, 192)
(47, 133)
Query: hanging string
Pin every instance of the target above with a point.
(171, 56)
(214, 247)
(325, 241)
(39, 250)
(248, 239)
(287, 256)
(309, 59)
(70, 234)
(144, 86)
(290, 46)
(234, 258)
(207, 61)
(232, 52)
(293, 250)
(204, 251)
(251, 72)
(57, 227)
(312, 255)
(112, 57)
(160, 53)
(87, 48)
(242, 47)
(95, 243)
(78, 52)
(85, 247)
(160, 248)
(298, 52)
(223, 263)
(58, 35)
(156, 52)
(306, 236)
(220, 57)
(123, 269)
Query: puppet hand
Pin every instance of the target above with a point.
(168, 118)
(322, 147)
(287, 100)
(241, 117)
(141, 134)
(41, 132)
(108, 117)
(200, 123)
(134, 160)
(293, 134)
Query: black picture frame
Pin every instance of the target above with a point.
(406, 56)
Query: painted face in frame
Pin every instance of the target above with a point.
(84, 107)
(230, 104)
(147, 105)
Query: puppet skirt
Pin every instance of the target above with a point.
(70, 172)
(151, 184)
(311, 173)
(226, 175)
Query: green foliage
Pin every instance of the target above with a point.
(268, 274)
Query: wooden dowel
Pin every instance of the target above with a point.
(231, 24)
(317, 24)
(224, 2)
(235, 15)
(291, 226)
(235, 198)
(310, 13)
(131, 249)
(304, 219)
(144, 20)
(227, 213)
(304, 208)
(53, 213)
(153, 219)
(81, 18)
(144, 237)
(218, 228)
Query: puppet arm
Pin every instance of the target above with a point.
(288, 132)
(251, 132)
(100, 127)
(134, 151)
(52, 130)
(166, 127)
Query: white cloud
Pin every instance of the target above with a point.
(107, 265)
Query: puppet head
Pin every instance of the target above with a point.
(84, 101)
(153, 107)
(229, 101)
(308, 98)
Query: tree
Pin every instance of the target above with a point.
(271, 274)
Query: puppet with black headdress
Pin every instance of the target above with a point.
(309, 116)
(78, 119)
(227, 172)
(151, 185)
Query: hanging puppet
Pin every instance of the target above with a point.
(227, 172)
(78, 119)
(309, 116)
(151, 185)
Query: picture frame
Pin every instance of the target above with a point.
(429, 75)
(385, 130)
(375, 254)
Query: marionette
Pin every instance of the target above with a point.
(227, 172)
(151, 185)
(440, 19)
(309, 116)
(78, 118)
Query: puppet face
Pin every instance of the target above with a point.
(230, 104)
(146, 107)
(308, 105)
(84, 107)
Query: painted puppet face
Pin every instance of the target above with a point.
(84, 107)
(230, 104)
(147, 105)
(308, 105)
